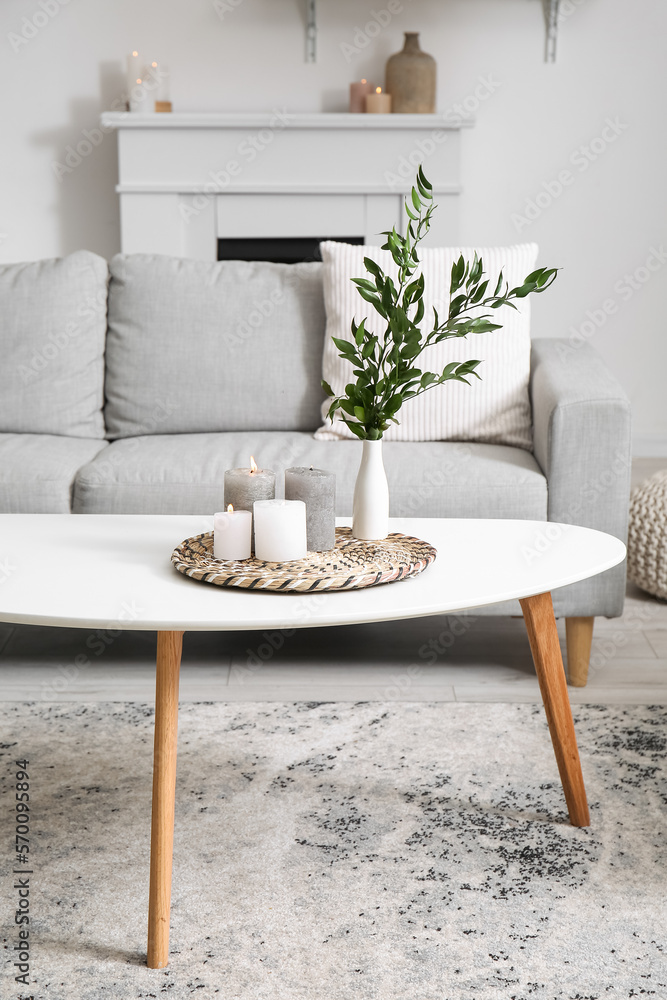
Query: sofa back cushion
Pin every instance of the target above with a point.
(194, 346)
(52, 328)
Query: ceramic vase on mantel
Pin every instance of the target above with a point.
(410, 79)
(370, 516)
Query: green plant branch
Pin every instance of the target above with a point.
(385, 364)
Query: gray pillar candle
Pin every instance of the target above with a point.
(318, 491)
(244, 486)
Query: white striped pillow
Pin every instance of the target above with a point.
(497, 409)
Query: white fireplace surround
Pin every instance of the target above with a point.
(187, 180)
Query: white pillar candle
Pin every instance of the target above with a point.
(232, 532)
(135, 69)
(280, 530)
(140, 97)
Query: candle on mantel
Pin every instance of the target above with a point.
(378, 103)
(317, 489)
(232, 534)
(135, 69)
(140, 96)
(244, 486)
(358, 93)
(158, 76)
(280, 530)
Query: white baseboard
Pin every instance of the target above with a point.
(649, 445)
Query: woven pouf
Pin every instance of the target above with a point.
(647, 536)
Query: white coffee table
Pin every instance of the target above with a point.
(114, 571)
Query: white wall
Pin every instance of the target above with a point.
(603, 226)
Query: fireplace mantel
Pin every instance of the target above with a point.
(189, 179)
(292, 120)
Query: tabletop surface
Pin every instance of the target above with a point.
(105, 571)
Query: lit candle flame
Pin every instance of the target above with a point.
(135, 53)
(230, 508)
(154, 65)
(139, 80)
(363, 81)
(378, 90)
(253, 465)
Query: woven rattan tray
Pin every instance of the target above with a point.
(351, 565)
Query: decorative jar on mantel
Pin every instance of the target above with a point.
(410, 79)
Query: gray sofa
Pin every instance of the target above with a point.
(131, 387)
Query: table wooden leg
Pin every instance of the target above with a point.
(538, 613)
(169, 648)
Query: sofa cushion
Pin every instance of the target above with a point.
(183, 474)
(212, 346)
(52, 330)
(495, 409)
(37, 471)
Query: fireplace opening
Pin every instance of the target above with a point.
(279, 250)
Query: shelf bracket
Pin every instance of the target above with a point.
(311, 31)
(551, 23)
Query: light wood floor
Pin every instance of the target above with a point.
(434, 659)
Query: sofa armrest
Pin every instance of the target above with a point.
(582, 441)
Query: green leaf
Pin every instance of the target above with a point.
(428, 378)
(414, 290)
(458, 274)
(327, 388)
(355, 428)
(410, 351)
(468, 368)
(521, 291)
(388, 296)
(421, 179)
(476, 270)
(479, 292)
(393, 404)
(345, 347)
(482, 325)
(547, 278)
(371, 297)
(373, 268)
(360, 413)
(415, 218)
(415, 200)
(456, 305)
(419, 315)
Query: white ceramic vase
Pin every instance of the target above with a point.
(370, 518)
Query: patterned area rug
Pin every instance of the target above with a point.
(336, 851)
